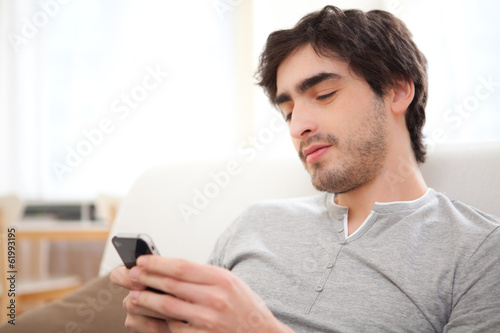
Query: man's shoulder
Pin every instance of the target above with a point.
(282, 213)
(297, 205)
(463, 216)
(464, 227)
(268, 221)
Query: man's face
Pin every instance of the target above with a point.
(337, 123)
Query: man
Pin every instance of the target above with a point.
(387, 253)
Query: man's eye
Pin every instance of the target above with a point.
(288, 117)
(326, 96)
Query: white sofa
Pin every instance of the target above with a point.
(212, 194)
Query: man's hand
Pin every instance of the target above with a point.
(208, 299)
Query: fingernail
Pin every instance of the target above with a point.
(134, 273)
(141, 261)
(134, 294)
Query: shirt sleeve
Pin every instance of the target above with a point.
(219, 251)
(476, 292)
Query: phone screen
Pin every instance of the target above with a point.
(131, 248)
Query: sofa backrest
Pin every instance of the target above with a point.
(468, 172)
(185, 206)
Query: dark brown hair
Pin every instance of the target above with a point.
(376, 45)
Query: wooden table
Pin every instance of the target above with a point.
(45, 232)
(42, 233)
(65, 231)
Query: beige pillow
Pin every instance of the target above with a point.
(95, 307)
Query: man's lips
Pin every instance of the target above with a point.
(314, 152)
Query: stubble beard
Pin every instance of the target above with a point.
(360, 157)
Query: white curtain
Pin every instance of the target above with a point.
(460, 40)
(95, 92)
(92, 93)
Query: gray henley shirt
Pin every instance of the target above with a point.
(429, 265)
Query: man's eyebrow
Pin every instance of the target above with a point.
(310, 82)
(307, 84)
(282, 98)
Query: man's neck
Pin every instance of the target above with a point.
(402, 182)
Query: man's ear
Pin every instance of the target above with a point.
(404, 91)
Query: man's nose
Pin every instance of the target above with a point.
(303, 122)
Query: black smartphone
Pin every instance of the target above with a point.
(131, 247)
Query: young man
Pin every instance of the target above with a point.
(378, 255)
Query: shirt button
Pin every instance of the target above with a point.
(340, 230)
(329, 265)
(343, 242)
(318, 288)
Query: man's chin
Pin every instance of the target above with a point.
(332, 181)
(320, 179)
(323, 179)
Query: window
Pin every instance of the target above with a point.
(96, 92)
(93, 93)
(459, 39)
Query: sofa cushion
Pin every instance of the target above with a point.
(96, 307)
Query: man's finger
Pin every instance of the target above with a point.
(167, 306)
(180, 269)
(138, 323)
(134, 308)
(180, 327)
(192, 292)
(121, 277)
